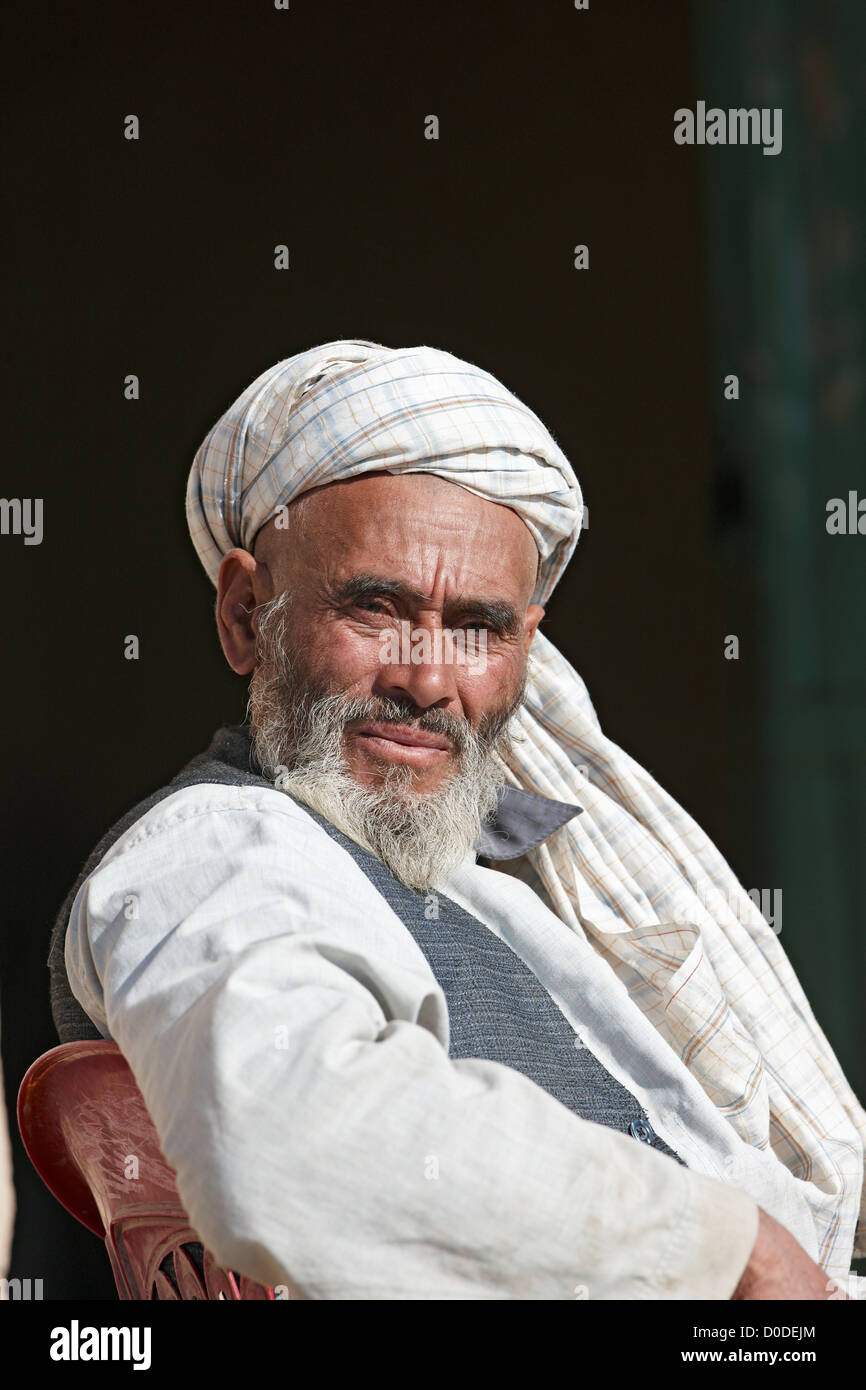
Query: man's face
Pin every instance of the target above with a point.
(399, 554)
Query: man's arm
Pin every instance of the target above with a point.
(321, 1135)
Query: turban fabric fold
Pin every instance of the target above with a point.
(634, 874)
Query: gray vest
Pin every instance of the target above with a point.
(497, 1008)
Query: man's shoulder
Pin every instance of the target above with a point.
(224, 781)
(194, 806)
(224, 775)
(226, 761)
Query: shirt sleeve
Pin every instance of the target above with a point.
(287, 1037)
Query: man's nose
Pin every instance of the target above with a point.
(419, 667)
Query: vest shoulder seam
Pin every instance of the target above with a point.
(175, 816)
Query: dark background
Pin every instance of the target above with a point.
(706, 516)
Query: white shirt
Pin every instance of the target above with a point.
(291, 1044)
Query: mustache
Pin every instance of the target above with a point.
(402, 713)
(346, 711)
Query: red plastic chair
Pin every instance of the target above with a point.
(90, 1138)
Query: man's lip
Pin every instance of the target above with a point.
(410, 738)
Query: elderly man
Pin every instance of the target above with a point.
(431, 991)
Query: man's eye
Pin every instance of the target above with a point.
(477, 623)
(372, 605)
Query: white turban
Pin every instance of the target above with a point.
(634, 874)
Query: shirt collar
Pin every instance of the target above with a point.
(522, 821)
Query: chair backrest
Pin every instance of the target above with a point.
(89, 1136)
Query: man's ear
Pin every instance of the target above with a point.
(534, 615)
(242, 584)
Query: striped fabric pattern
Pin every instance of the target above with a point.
(634, 874)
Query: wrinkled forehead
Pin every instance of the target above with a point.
(416, 526)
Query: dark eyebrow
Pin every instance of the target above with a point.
(497, 612)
